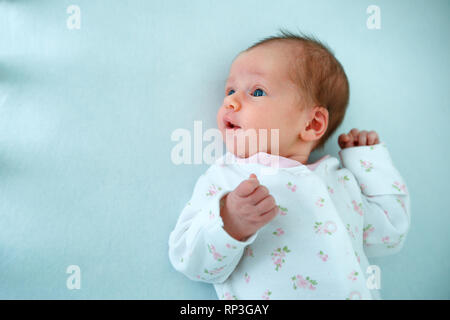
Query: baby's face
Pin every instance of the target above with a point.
(259, 94)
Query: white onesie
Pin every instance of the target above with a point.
(330, 220)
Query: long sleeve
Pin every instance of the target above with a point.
(385, 202)
(199, 247)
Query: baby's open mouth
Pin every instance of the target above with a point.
(230, 125)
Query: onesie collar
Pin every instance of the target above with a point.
(269, 160)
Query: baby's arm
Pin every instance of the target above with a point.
(385, 202)
(199, 247)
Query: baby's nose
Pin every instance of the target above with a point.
(233, 105)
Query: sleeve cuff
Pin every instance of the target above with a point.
(223, 240)
(374, 169)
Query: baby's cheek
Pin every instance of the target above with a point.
(219, 118)
(281, 139)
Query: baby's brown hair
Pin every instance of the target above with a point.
(319, 75)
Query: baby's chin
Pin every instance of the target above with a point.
(243, 150)
(243, 154)
(244, 143)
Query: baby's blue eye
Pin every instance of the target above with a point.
(229, 92)
(259, 93)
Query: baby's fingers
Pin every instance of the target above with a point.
(342, 139)
(362, 139)
(246, 187)
(268, 216)
(266, 205)
(354, 133)
(372, 138)
(259, 194)
(345, 140)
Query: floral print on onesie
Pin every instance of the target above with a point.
(331, 219)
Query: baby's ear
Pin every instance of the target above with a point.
(317, 126)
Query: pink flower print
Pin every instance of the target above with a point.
(246, 277)
(343, 179)
(214, 271)
(366, 232)
(278, 256)
(367, 165)
(323, 256)
(230, 246)
(228, 296)
(385, 239)
(353, 276)
(300, 282)
(278, 232)
(217, 256)
(330, 189)
(402, 203)
(266, 295)
(318, 227)
(357, 257)
(328, 228)
(386, 213)
(211, 215)
(213, 190)
(363, 187)
(282, 211)
(248, 252)
(320, 202)
(354, 295)
(350, 232)
(399, 187)
(200, 277)
(291, 186)
(357, 207)
(393, 245)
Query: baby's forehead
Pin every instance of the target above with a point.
(283, 51)
(267, 60)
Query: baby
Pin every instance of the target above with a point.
(304, 231)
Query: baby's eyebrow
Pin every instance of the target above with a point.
(255, 73)
(229, 79)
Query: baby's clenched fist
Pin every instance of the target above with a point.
(356, 138)
(247, 208)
